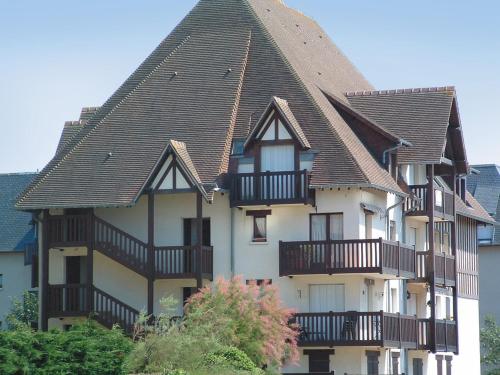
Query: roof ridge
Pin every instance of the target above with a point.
(17, 174)
(72, 146)
(417, 90)
(229, 139)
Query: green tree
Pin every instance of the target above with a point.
(490, 343)
(23, 312)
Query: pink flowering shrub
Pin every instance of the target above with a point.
(248, 317)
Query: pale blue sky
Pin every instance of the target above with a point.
(59, 55)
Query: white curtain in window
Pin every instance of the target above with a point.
(318, 227)
(277, 158)
(337, 227)
(260, 223)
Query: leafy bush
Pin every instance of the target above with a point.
(85, 349)
(222, 332)
(248, 317)
(490, 343)
(23, 312)
(230, 358)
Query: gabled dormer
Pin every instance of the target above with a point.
(276, 143)
(273, 162)
(176, 172)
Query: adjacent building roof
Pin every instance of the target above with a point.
(205, 84)
(420, 116)
(16, 230)
(485, 187)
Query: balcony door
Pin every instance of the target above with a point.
(74, 298)
(326, 297)
(328, 227)
(278, 158)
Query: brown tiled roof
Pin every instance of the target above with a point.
(206, 83)
(472, 209)
(420, 116)
(72, 128)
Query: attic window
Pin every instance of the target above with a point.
(238, 145)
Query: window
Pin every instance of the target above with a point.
(1, 281)
(395, 363)
(394, 300)
(438, 196)
(259, 229)
(372, 362)
(368, 225)
(259, 282)
(418, 366)
(392, 230)
(319, 360)
(238, 144)
(327, 227)
(259, 226)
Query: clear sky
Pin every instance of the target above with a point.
(57, 56)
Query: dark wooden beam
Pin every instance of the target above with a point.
(455, 253)
(199, 238)
(258, 212)
(44, 257)
(432, 263)
(151, 249)
(90, 261)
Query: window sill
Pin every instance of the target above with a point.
(259, 243)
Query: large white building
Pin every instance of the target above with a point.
(248, 144)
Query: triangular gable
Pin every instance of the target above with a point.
(177, 173)
(454, 147)
(287, 126)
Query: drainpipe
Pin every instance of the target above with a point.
(231, 231)
(400, 144)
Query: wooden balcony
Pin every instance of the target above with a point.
(357, 329)
(444, 268)
(443, 202)
(170, 262)
(178, 262)
(346, 256)
(446, 335)
(267, 188)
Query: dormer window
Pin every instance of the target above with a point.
(275, 161)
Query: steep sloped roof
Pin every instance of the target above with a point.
(485, 187)
(15, 228)
(420, 116)
(206, 82)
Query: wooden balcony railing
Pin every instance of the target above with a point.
(443, 202)
(68, 230)
(169, 261)
(346, 256)
(182, 261)
(446, 335)
(67, 300)
(266, 188)
(109, 311)
(357, 329)
(120, 246)
(444, 268)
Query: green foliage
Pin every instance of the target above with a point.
(490, 343)
(85, 349)
(23, 312)
(181, 347)
(248, 317)
(230, 358)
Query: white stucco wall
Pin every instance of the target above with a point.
(16, 279)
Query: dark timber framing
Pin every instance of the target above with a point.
(432, 263)
(45, 272)
(151, 251)
(199, 238)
